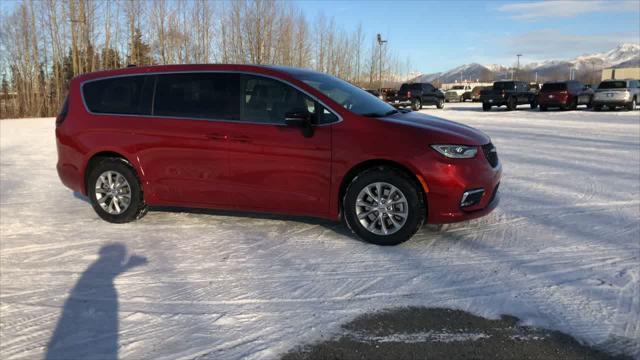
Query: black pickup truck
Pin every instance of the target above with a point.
(416, 95)
(509, 93)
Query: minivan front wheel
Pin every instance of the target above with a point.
(383, 206)
(114, 191)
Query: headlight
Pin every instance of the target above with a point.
(456, 151)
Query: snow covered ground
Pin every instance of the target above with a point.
(562, 251)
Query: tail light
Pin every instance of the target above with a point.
(502, 93)
(63, 112)
(408, 93)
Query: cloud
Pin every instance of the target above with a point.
(566, 8)
(557, 44)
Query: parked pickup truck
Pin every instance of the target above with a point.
(458, 93)
(509, 93)
(418, 94)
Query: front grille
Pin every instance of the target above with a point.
(491, 154)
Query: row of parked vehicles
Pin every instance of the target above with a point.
(562, 95)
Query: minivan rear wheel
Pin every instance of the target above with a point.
(114, 191)
(383, 206)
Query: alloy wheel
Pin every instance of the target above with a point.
(113, 192)
(382, 208)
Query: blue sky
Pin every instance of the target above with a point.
(440, 35)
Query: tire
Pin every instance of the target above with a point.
(533, 104)
(135, 208)
(511, 103)
(440, 104)
(632, 105)
(589, 105)
(574, 104)
(388, 178)
(486, 107)
(461, 99)
(543, 108)
(416, 104)
(597, 108)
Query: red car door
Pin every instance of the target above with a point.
(183, 146)
(273, 167)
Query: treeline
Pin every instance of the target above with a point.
(45, 43)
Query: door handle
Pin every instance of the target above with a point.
(216, 136)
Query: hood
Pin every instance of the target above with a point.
(441, 131)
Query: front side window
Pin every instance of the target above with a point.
(349, 96)
(120, 95)
(198, 95)
(266, 100)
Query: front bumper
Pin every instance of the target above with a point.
(398, 103)
(449, 179)
(452, 96)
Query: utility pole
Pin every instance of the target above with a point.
(518, 66)
(380, 43)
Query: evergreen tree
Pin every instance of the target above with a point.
(140, 53)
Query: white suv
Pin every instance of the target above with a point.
(617, 93)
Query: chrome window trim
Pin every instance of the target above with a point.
(240, 72)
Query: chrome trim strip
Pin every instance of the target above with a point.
(466, 194)
(340, 119)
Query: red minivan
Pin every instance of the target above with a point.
(268, 139)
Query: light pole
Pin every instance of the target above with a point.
(518, 66)
(380, 43)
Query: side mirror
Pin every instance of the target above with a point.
(301, 120)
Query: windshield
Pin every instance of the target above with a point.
(351, 97)
(612, 85)
(503, 85)
(554, 87)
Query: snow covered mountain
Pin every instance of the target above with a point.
(623, 55)
(471, 71)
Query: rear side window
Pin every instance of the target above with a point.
(554, 87)
(198, 95)
(612, 85)
(121, 95)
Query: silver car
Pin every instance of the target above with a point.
(617, 93)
